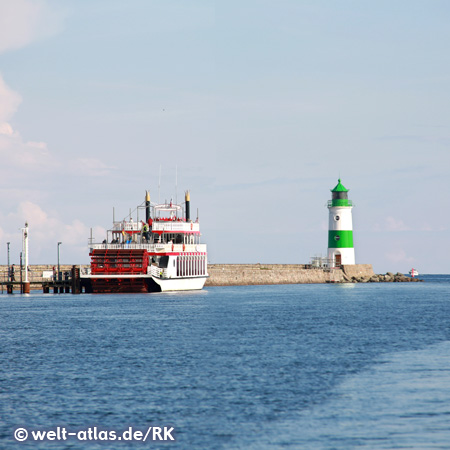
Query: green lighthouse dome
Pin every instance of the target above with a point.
(339, 195)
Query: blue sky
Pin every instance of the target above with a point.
(258, 105)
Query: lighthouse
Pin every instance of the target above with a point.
(340, 228)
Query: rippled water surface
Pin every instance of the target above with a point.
(257, 367)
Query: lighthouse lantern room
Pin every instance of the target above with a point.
(340, 229)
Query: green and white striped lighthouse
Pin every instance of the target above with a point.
(340, 229)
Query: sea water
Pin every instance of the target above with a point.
(252, 367)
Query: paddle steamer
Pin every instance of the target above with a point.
(162, 253)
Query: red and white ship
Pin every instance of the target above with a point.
(162, 254)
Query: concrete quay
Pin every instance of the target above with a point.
(41, 277)
(37, 273)
(250, 274)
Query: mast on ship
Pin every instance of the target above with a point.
(188, 206)
(147, 206)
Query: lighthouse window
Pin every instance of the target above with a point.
(337, 237)
(336, 218)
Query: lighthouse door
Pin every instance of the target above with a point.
(338, 260)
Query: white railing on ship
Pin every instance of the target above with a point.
(152, 270)
(153, 248)
(158, 272)
(159, 226)
(175, 226)
(127, 226)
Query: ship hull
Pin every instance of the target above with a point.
(147, 284)
(180, 284)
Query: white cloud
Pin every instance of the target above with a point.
(9, 102)
(24, 21)
(91, 167)
(19, 156)
(46, 229)
(433, 228)
(399, 256)
(32, 161)
(6, 129)
(21, 22)
(25, 165)
(391, 224)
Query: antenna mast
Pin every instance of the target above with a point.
(176, 185)
(159, 185)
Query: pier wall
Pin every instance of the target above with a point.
(36, 272)
(248, 274)
(358, 270)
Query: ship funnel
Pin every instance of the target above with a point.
(188, 206)
(147, 206)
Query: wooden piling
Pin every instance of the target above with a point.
(76, 282)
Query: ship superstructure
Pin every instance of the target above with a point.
(162, 253)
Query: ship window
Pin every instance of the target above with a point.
(163, 262)
(336, 218)
(337, 237)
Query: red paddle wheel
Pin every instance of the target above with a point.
(118, 262)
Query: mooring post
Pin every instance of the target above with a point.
(21, 278)
(26, 284)
(76, 289)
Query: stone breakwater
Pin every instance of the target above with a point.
(250, 274)
(389, 277)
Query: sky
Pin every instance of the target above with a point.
(256, 106)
